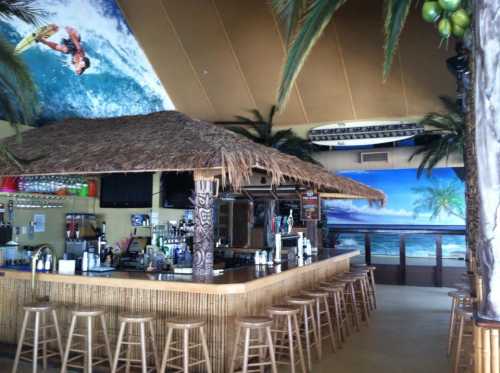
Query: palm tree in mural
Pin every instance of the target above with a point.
(18, 97)
(261, 132)
(451, 138)
(440, 199)
(304, 22)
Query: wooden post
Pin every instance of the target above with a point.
(487, 114)
(203, 256)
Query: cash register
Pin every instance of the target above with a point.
(133, 258)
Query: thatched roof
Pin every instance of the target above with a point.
(163, 141)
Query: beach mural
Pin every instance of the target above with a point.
(437, 200)
(86, 62)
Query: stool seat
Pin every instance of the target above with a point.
(87, 311)
(283, 309)
(462, 294)
(254, 322)
(331, 286)
(315, 293)
(185, 323)
(300, 300)
(135, 317)
(38, 307)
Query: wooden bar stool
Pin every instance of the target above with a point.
(323, 317)
(41, 325)
(307, 325)
(458, 297)
(336, 292)
(88, 347)
(286, 336)
(360, 286)
(371, 281)
(264, 341)
(128, 321)
(350, 301)
(464, 315)
(182, 346)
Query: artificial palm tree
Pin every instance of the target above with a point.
(450, 140)
(18, 98)
(304, 22)
(439, 199)
(261, 132)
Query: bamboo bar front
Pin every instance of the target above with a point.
(218, 301)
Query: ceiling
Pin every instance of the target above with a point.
(220, 58)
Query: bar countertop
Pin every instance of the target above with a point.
(231, 281)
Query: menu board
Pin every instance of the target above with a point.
(310, 206)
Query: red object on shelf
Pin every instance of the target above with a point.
(92, 188)
(8, 184)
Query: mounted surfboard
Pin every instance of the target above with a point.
(364, 133)
(28, 41)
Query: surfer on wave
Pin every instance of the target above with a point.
(71, 45)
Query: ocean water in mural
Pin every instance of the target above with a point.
(119, 79)
(438, 200)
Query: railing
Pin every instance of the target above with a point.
(368, 238)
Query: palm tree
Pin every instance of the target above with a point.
(18, 98)
(304, 22)
(440, 199)
(450, 140)
(261, 132)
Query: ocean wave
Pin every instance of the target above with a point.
(112, 49)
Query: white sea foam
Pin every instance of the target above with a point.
(109, 34)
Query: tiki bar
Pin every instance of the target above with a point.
(222, 186)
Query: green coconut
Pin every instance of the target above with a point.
(450, 5)
(460, 18)
(444, 28)
(431, 11)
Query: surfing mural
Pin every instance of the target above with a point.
(86, 62)
(431, 200)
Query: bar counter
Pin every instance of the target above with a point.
(218, 300)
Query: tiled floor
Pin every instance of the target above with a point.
(407, 334)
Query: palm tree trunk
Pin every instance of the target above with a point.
(487, 115)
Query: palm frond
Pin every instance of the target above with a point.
(318, 15)
(25, 10)
(396, 13)
(16, 82)
(245, 132)
(290, 13)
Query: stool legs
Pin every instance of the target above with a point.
(141, 322)
(184, 328)
(89, 345)
(247, 345)
(451, 329)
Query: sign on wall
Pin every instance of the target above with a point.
(310, 206)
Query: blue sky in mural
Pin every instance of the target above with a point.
(120, 79)
(435, 200)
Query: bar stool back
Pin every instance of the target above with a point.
(323, 317)
(371, 279)
(262, 327)
(86, 350)
(307, 325)
(128, 321)
(182, 346)
(286, 336)
(40, 312)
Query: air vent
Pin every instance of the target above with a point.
(365, 157)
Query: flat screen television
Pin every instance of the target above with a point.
(131, 190)
(177, 190)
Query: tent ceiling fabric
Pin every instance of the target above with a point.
(220, 58)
